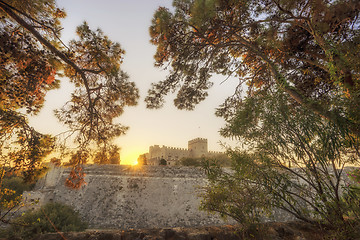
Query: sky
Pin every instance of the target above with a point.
(127, 22)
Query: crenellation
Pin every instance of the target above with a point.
(197, 148)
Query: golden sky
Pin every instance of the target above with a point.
(127, 22)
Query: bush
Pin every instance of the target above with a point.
(17, 185)
(11, 192)
(234, 194)
(32, 223)
(195, 162)
(163, 162)
(220, 160)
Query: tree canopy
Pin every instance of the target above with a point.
(108, 156)
(309, 49)
(294, 160)
(299, 119)
(33, 57)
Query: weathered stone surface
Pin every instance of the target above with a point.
(126, 197)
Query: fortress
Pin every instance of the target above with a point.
(197, 148)
(124, 197)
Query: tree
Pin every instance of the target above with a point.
(27, 72)
(32, 57)
(114, 155)
(299, 62)
(56, 161)
(142, 160)
(101, 158)
(234, 195)
(293, 160)
(103, 92)
(162, 162)
(110, 155)
(309, 49)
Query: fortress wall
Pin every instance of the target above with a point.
(197, 148)
(118, 196)
(170, 154)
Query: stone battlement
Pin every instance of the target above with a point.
(173, 148)
(119, 196)
(138, 171)
(195, 140)
(197, 148)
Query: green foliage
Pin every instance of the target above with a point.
(32, 223)
(115, 159)
(16, 184)
(194, 162)
(101, 158)
(292, 160)
(355, 176)
(142, 160)
(310, 51)
(163, 162)
(352, 194)
(27, 73)
(24, 63)
(109, 155)
(299, 119)
(103, 89)
(220, 160)
(103, 86)
(234, 194)
(12, 187)
(32, 58)
(202, 11)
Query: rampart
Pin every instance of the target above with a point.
(118, 196)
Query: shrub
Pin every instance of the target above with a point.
(195, 162)
(17, 185)
(163, 162)
(32, 223)
(220, 160)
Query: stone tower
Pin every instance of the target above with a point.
(198, 147)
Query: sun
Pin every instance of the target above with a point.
(130, 159)
(134, 163)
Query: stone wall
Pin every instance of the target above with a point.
(197, 148)
(170, 154)
(118, 196)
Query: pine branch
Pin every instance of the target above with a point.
(6, 8)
